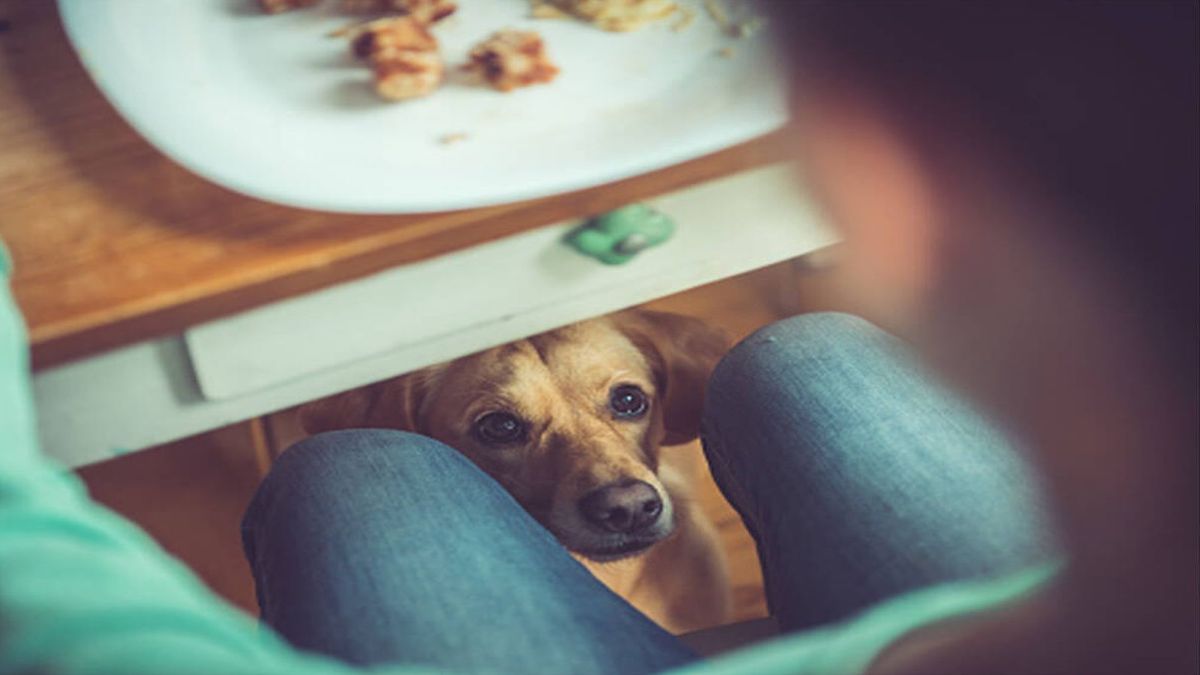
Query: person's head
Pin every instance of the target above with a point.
(1069, 124)
(1017, 185)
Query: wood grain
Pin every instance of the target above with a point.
(113, 243)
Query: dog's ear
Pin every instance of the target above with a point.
(392, 404)
(682, 352)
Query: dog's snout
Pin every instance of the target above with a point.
(625, 507)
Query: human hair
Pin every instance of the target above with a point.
(1095, 104)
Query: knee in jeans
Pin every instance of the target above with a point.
(800, 338)
(357, 455)
(351, 461)
(785, 346)
(784, 362)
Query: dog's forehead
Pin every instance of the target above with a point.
(539, 370)
(580, 356)
(590, 350)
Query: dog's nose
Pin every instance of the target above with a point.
(625, 507)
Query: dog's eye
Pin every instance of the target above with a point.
(628, 401)
(499, 427)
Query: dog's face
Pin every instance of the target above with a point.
(569, 422)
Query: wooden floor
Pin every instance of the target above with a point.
(189, 495)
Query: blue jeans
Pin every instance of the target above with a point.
(857, 477)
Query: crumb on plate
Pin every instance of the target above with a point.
(426, 11)
(741, 28)
(749, 27)
(717, 11)
(686, 16)
(616, 15)
(450, 139)
(278, 6)
(543, 9)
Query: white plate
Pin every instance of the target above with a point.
(272, 107)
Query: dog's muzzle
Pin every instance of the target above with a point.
(621, 519)
(630, 507)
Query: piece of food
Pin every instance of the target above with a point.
(428, 11)
(425, 11)
(542, 9)
(403, 55)
(413, 76)
(686, 16)
(745, 27)
(277, 6)
(615, 15)
(512, 58)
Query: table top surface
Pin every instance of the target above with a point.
(113, 243)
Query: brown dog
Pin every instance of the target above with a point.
(570, 423)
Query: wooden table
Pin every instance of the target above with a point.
(114, 243)
(126, 264)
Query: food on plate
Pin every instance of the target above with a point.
(743, 27)
(542, 9)
(277, 6)
(614, 15)
(686, 16)
(425, 11)
(403, 55)
(512, 58)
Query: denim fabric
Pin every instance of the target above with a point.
(384, 547)
(859, 478)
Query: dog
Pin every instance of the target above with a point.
(571, 423)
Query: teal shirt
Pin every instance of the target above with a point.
(84, 591)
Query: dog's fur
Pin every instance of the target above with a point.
(559, 383)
